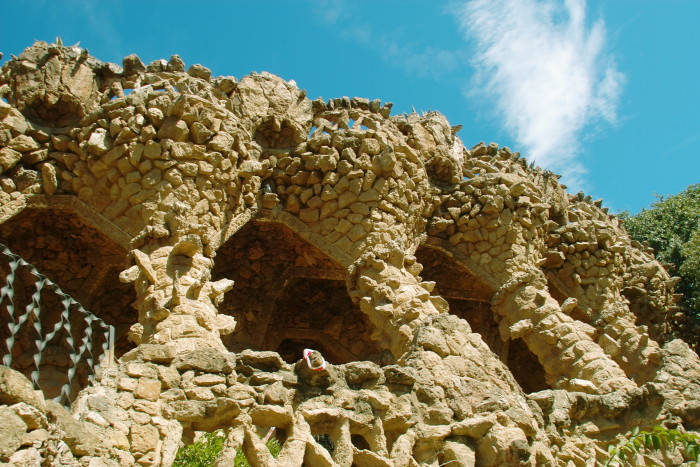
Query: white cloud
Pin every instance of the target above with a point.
(547, 72)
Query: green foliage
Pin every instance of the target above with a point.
(204, 452)
(659, 439)
(273, 445)
(672, 228)
(690, 272)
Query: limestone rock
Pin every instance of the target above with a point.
(205, 360)
(468, 310)
(12, 431)
(16, 388)
(8, 158)
(83, 439)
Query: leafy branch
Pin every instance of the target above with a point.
(658, 439)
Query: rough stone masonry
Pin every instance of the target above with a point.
(470, 310)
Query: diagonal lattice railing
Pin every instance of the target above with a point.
(18, 320)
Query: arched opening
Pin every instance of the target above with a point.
(272, 134)
(288, 296)
(469, 298)
(85, 264)
(318, 314)
(526, 369)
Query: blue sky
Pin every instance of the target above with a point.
(606, 92)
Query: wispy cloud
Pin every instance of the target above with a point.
(391, 43)
(419, 60)
(328, 11)
(547, 71)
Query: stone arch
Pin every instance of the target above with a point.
(273, 134)
(289, 295)
(469, 297)
(316, 312)
(85, 263)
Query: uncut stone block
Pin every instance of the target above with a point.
(175, 129)
(309, 215)
(209, 361)
(144, 438)
(188, 411)
(148, 389)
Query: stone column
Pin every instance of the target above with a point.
(592, 259)
(460, 377)
(565, 347)
(175, 298)
(385, 284)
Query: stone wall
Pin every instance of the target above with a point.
(469, 309)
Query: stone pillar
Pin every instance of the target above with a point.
(629, 345)
(593, 262)
(175, 298)
(385, 284)
(462, 377)
(565, 347)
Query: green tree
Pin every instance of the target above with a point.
(690, 272)
(671, 226)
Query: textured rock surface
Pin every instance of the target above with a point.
(470, 311)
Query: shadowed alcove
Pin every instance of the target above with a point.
(470, 299)
(289, 296)
(85, 264)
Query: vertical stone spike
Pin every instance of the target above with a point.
(342, 453)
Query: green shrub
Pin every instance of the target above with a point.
(204, 452)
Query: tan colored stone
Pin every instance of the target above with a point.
(174, 129)
(498, 309)
(23, 143)
(12, 431)
(8, 158)
(209, 380)
(309, 215)
(199, 394)
(143, 438)
(15, 388)
(148, 389)
(26, 458)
